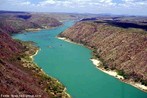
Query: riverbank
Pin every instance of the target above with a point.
(34, 54)
(67, 40)
(50, 85)
(97, 63)
(110, 72)
(38, 29)
(114, 74)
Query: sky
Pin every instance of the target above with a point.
(120, 7)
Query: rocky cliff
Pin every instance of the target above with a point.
(120, 45)
(20, 77)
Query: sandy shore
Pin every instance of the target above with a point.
(67, 40)
(33, 29)
(114, 74)
(34, 54)
(97, 63)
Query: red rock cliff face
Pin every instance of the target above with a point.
(14, 78)
(119, 48)
(20, 76)
(8, 46)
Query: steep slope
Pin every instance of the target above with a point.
(19, 76)
(122, 49)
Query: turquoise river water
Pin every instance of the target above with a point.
(71, 65)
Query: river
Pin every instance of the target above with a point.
(71, 65)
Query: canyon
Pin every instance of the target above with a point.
(119, 43)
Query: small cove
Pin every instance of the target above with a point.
(71, 65)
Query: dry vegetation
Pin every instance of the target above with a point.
(21, 76)
(119, 48)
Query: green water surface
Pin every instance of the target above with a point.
(70, 64)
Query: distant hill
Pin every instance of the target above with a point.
(14, 22)
(12, 12)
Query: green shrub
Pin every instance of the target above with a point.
(122, 73)
(144, 82)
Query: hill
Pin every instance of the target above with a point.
(120, 43)
(19, 22)
(19, 75)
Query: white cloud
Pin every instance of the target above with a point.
(135, 3)
(89, 6)
(135, 0)
(75, 3)
(105, 1)
(18, 2)
(25, 3)
(47, 2)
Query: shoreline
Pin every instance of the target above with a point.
(114, 74)
(97, 62)
(38, 29)
(32, 29)
(110, 72)
(67, 40)
(65, 94)
(32, 56)
(43, 72)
